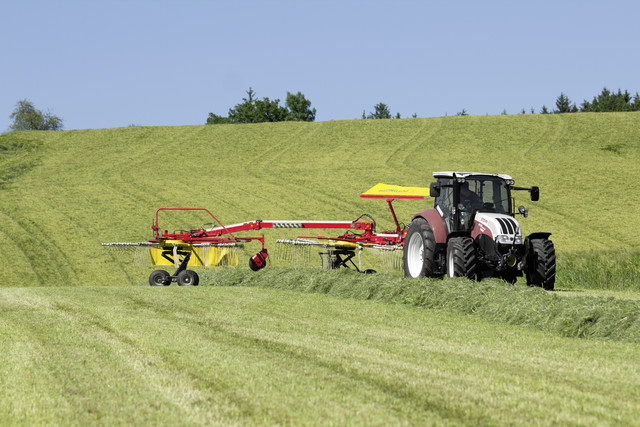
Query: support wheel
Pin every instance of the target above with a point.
(159, 278)
(461, 258)
(419, 250)
(188, 278)
(541, 268)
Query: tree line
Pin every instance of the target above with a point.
(606, 101)
(252, 110)
(298, 108)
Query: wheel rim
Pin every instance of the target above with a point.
(415, 255)
(159, 279)
(451, 269)
(185, 278)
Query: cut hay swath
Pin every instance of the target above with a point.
(220, 245)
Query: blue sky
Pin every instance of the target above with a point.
(115, 63)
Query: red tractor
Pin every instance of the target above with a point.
(472, 232)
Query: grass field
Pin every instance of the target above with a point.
(63, 193)
(227, 355)
(84, 340)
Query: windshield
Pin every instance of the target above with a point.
(477, 193)
(485, 193)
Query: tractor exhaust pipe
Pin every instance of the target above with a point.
(259, 260)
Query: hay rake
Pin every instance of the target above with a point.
(219, 244)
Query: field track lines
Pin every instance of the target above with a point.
(19, 264)
(280, 351)
(46, 259)
(46, 377)
(123, 182)
(116, 260)
(144, 367)
(554, 129)
(255, 168)
(574, 222)
(265, 172)
(26, 361)
(61, 262)
(260, 166)
(131, 181)
(268, 156)
(399, 157)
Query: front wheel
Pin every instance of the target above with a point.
(541, 268)
(461, 258)
(419, 250)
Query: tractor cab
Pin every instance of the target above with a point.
(460, 195)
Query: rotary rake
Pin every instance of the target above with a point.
(220, 245)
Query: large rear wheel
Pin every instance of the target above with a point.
(461, 258)
(419, 250)
(541, 270)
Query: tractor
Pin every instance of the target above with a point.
(472, 232)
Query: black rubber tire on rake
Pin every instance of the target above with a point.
(159, 278)
(188, 278)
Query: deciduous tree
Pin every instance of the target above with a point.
(299, 108)
(27, 117)
(252, 110)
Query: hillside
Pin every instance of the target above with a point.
(63, 193)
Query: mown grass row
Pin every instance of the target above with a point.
(578, 316)
(239, 355)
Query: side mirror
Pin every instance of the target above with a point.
(434, 189)
(535, 194)
(523, 211)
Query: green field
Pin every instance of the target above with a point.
(227, 355)
(84, 340)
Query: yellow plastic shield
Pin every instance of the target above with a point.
(387, 191)
(201, 256)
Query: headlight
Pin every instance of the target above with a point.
(506, 239)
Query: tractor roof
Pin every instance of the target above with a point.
(449, 174)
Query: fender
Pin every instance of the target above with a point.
(435, 222)
(539, 235)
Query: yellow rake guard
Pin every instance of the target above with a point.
(172, 252)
